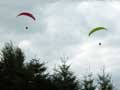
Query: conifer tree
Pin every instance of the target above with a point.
(104, 81)
(38, 78)
(12, 67)
(88, 83)
(64, 79)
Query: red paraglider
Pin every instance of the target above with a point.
(27, 14)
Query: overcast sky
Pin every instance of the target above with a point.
(61, 29)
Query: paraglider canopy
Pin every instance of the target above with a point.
(28, 14)
(96, 29)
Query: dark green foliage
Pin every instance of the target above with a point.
(36, 69)
(88, 83)
(17, 75)
(64, 78)
(38, 79)
(12, 57)
(11, 68)
(104, 81)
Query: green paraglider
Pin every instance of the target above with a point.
(96, 29)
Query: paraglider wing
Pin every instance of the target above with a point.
(27, 14)
(96, 29)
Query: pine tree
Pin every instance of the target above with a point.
(38, 78)
(104, 81)
(88, 83)
(64, 79)
(12, 67)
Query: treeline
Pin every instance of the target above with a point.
(15, 74)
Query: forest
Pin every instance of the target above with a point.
(16, 74)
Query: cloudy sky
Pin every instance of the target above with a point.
(61, 29)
